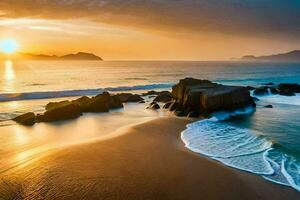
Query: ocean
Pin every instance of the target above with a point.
(264, 141)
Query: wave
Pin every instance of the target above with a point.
(243, 149)
(279, 99)
(70, 93)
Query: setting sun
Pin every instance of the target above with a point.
(9, 46)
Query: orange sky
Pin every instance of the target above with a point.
(152, 30)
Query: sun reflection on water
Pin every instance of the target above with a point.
(9, 76)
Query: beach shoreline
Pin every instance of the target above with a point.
(148, 161)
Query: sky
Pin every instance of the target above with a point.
(153, 29)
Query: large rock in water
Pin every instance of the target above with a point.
(27, 119)
(205, 97)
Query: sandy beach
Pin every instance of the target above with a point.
(148, 161)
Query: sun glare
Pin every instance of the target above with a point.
(9, 46)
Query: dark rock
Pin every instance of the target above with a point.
(173, 106)
(274, 91)
(152, 103)
(83, 102)
(255, 99)
(250, 88)
(51, 105)
(261, 91)
(134, 98)
(27, 119)
(179, 113)
(167, 105)
(286, 93)
(193, 114)
(268, 106)
(205, 97)
(295, 88)
(142, 101)
(151, 92)
(128, 97)
(154, 106)
(62, 112)
(164, 97)
(269, 83)
(114, 103)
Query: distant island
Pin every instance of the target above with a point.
(292, 56)
(77, 56)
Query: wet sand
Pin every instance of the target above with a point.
(148, 161)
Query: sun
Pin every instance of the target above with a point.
(9, 46)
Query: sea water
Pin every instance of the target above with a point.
(263, 141)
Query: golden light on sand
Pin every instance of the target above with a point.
(9, 46)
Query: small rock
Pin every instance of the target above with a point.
(151, 92)
(250, 88)
(167, 105)
(274, 91)
(286, 93)
(261, 91)
(179, 113)
(27, 119)
(154, 106)
(268, 106)
(270, 83)
(164, 97)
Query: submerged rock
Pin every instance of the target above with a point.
(27, 119)
(205, 97)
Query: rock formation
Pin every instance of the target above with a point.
(194, 96)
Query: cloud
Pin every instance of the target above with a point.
(263, 17)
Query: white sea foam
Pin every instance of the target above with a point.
(290, 100)
(242, 148)
(70, 93)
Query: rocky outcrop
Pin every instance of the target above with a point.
(64, 110)
(194, 96)
(288, 87)
(27, 119)
(163, 97)
(59, 112)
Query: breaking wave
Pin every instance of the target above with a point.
(70, 93)
(242, 148)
